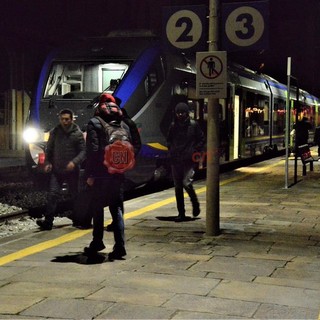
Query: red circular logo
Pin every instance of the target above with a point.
(119, 157)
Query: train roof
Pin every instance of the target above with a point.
(98, 48)
(128, 45)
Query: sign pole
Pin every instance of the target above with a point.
(287, 122)
(213, 190)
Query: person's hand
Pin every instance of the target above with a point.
(47, 168)
(70, 166)
(90, 181)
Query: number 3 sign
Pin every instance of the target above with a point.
(183, 28)
(245, 26)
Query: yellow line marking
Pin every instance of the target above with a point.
(80, 233)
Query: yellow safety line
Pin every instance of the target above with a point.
(80, 233)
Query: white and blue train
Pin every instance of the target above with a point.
(150, 80)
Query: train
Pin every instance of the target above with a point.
(150, 79)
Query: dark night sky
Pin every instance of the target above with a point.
(35, 26)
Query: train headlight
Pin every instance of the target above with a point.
(32, 135)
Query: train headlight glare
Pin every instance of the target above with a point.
(31, 135)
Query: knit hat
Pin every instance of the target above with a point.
(106, 97)
(182, 107)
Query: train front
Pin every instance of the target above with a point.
(75, 76)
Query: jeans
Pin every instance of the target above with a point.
(107, 192)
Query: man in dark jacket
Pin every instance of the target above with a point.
(65, 152)
(302, 128)
(185, 138)
(106, 186)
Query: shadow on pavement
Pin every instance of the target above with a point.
(80, 258)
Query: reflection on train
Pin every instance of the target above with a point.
(150, 80)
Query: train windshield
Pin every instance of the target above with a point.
(88, 79)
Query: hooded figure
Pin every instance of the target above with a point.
(185, 137)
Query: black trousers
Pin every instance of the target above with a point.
(182, 174)
(55, 195)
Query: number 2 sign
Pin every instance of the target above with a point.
(183, 28)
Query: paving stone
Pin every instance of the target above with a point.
(249, 266)
(136, 296)
(14, 304)
(275, 311)
(217, 306)
(129, 311)
(40, 289)
(67, 309)
(162, 282)
(256, 292)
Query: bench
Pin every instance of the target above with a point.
(306, 158)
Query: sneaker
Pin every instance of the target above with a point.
(110, 227)
(44, 224)
(196, 211)
(94, 248)
(180, 218)
(117, 254)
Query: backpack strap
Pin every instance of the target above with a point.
(106, 126)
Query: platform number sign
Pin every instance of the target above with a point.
(245, 26)
(183, 27)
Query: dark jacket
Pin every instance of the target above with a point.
(63, 147)
(96, 142)
(302, 132)
(184, 140)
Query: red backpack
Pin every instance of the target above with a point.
(119, 153)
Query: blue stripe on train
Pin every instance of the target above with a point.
(136, 74)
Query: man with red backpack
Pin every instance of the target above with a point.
(106, 181)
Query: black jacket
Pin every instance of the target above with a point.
(65, 146)
(184, 140)
(96, 142)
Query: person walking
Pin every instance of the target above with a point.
(136, 142)
(185, 137)
(64, 153)
(106, 186)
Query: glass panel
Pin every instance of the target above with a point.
(66, 78)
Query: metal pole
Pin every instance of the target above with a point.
(212, 196)
(296, 147)
(287, 123)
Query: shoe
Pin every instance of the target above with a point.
(117, 254)
(82, 226)
(44, 224)
(180, 218)
(110, 227)
(94, 248)
(196, 211)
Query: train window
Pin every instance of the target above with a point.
(279, 116)
(153, 78)
(111, 75)
(89, 78)
(151, 82)
(256, 108)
